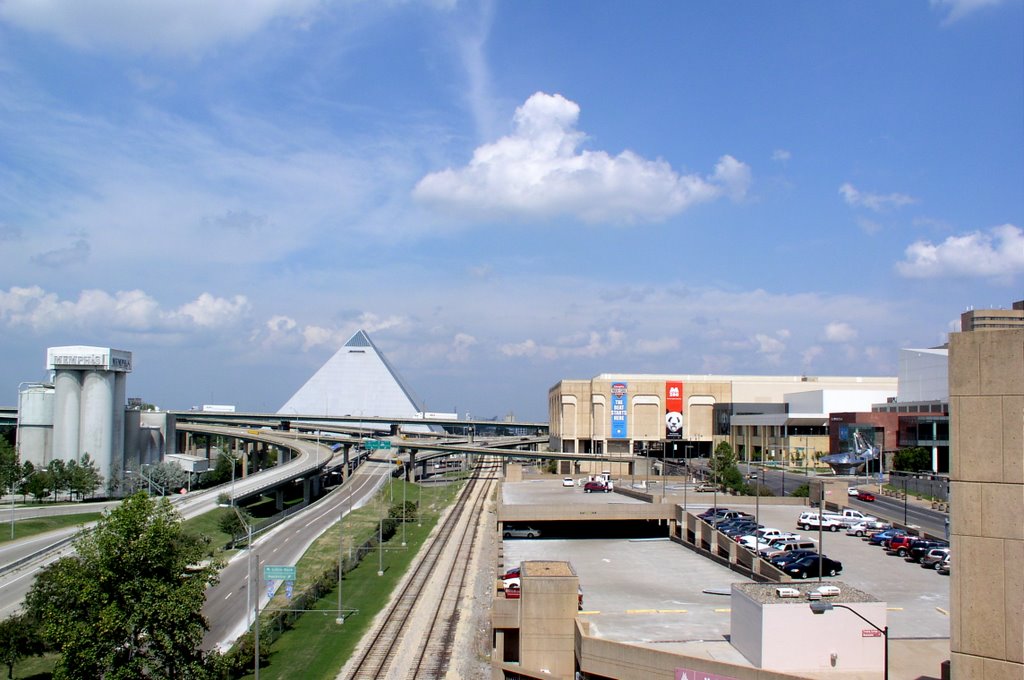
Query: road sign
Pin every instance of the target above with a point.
(372, 444)
(278, 573)
(288, 589)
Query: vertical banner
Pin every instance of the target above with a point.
(620, 430)
(673, 410)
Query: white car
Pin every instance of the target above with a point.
(852, 491)
(520, 532)
(568, 481)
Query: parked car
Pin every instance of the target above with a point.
(740, 529)
(520, 532)
(785, 558)
(882, 536)
(785, 545)
(811, 520)
(808, 566)
(710, 512)
(943, 567)
(596, 487)
(934, 558)
(568, 482)
(920, 547)
(865, 496)
(899, 545)
(866, 528)
(729, 515)
(511, 573)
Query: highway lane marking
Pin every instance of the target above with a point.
(942, 611)
(672, 611)
(229, 594)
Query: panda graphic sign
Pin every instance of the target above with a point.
(673, 410)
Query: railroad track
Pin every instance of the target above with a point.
(415, 635)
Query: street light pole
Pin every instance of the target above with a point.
(822, 606)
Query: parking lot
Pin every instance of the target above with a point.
(621, 578)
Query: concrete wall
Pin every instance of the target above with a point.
(986, 387)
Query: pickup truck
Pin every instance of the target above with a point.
(850, 516)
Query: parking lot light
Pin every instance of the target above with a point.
(822, 606)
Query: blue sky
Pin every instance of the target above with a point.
(503, 195)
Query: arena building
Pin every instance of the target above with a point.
(784, 419)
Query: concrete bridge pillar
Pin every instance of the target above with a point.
(344, 467)
(245, 459)
(410, 468)
(279, 500)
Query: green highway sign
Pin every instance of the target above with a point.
(278, 573)
(371, 444)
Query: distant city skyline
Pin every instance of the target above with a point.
(502, 195)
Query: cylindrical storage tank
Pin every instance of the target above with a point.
(67, 413)
(97, 433)
(133, 436)
(35, 424)
(120, 404)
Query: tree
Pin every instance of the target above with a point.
(9, 469)
(58, 475)
(19, 638)
(129, 603)
(83, 477)
(913, 459)
(722, 459)
(230, 524)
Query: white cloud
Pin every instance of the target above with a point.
(840, 331)
(958, 9)
(540, 171)
(781, 155)
(586, 345)
(168, 26)
(462, 343)
(997, 254)
(771, 347)
(126, 311)
(876, 202)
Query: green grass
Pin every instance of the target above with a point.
(34, 667)
(317, 647)
(24, 528)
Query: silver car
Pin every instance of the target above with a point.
(520, 532)
(934, 557)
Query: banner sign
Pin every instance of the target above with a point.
(673, 410)
(620, 429)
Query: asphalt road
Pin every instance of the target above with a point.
(229, 606)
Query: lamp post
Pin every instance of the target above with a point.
(248, 547)
(904, 500)
(822, 606)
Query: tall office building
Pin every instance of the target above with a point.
(986, 390)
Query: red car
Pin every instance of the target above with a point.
(865, 496)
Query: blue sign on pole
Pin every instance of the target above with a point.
(270, 588)
(288, 589)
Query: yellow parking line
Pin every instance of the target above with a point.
(641, 611)
(592, 611)
(723, 610)
(895, 609)
(941, 611)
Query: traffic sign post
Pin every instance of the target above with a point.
(278, 573)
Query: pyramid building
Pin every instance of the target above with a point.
(356, 381)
